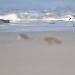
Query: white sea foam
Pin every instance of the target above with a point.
(32, 17)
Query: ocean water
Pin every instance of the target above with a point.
(57, 6)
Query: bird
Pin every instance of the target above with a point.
(23, 36)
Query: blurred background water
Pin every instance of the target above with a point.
(57, 5)
(36, 4)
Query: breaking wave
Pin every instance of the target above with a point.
(35, 16)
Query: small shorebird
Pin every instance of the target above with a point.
(23, 36)
(52, 40)
(72, 19)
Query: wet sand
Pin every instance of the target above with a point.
(32, 55)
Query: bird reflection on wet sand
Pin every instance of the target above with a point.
(52, 40)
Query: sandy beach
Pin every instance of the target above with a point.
(37, 53)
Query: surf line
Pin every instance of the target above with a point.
(34, 18)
